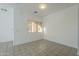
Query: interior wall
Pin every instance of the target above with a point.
(78, 31)
(21, 29)
(6, 24)
(61, 27)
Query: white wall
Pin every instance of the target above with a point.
(61, 27)
(6, 25)
(21, 31)
(78, 32)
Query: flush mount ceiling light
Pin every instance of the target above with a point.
(42, 6)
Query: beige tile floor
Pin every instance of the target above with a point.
(44, 48)
(36, 48)
(6, 48)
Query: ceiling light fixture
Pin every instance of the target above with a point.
(42, 6)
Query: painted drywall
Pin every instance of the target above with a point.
(78, 32)
(21, 29)
(6, 24)
(61, 27)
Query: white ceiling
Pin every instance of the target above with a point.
(31, 7)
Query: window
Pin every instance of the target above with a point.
(35, 26)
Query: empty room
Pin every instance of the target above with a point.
(39, 29)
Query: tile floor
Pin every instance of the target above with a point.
(36, 48)
(6, 48)
(44, 48)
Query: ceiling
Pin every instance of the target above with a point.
(31, 7)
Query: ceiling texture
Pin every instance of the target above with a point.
(32, 8)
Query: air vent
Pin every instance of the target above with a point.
(4, 10)
(35, 12)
